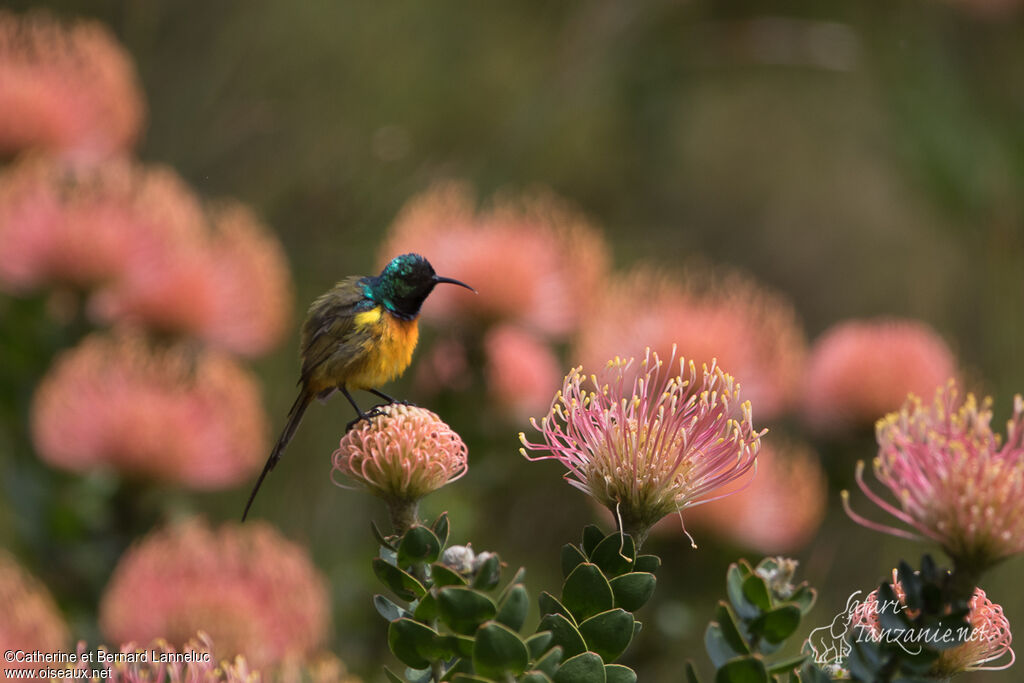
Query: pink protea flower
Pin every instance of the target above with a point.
(253, 591)
(231, 288)
(533, 260)
(954, 480)
(443, 366)
(522, 370)
(31, 620)
(989, 640)
(782, 507)
(83, 227)
(401, 455)
(751, 331)
(651, 441)
(69, 88)
(179, 414)
(860, 370)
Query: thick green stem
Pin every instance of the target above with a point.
(403, 515)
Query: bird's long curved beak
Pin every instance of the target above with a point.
(452, 281)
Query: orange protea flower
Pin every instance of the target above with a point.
(83, 227)
(534, 261)
(522, 370)
(989, 640)
(954, 480)
(860, 370)
(650, 441)
(69, 88)
(780, 509)
(31, 620)
(256, 593)
(231, 287)
(178, 414)
(751, 331)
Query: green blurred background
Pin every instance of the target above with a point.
(863, 158)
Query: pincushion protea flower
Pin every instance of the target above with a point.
(954, 480)
(176, 414)
(861, 370)
(69, 88)
(989, 640)
(534, 261)
(31, 620)
(651, 441)
(256, 593)
(522, 369)
(707, 314)
(401, 455)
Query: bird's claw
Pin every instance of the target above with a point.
(368, 415)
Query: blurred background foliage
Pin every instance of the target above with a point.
(861, 158)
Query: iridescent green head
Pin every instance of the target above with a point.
(404, 284)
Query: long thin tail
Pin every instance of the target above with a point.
(294, 417)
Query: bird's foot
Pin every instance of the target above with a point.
(368, 415)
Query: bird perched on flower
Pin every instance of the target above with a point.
(359, 335)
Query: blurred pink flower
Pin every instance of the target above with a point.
(723, 316)
(649, 442)
(31, 620)
(860, 370)
(402, 454)
(781, 508)
(254, 592)
(178, 414)
(231, 288)
(989, 641)
(954, 480)
(522, 370)
(84, 227)
(444, 366)
(66, 87)
(533, 260)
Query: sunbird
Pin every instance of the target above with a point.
(359, 335)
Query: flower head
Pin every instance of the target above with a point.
(649, 442)
(402, 454)
(87, 226)
(750, 330)
(954, 480)
(31, 619)
(860, 370)
(256, 593)
(69, 88)
(781, 508)
(175, 414)
(988, 642)
(522, 369)
(533, 260)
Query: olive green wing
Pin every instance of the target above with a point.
(330, 334)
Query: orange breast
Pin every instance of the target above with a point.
(388, 352)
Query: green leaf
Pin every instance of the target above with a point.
(461, 645)
(535, 677)
(608, 633)
(519, 576)
(571, 557)
(426, 610)
(586, 667)
(418, 675)
(514, 607)
(756, 591)
(412, 642)
(804, 597)
(563, 633)
(726, 620)
(392, 676)
(470, 678)
(691, 673)
(440, 528)
(498, 650)
(633, 590)
(381, 539)
(742, 670)
(388, 609)
(616, 673)
(419, 544)
(717, 645)
(734, 579)
(592, 536)
(549, 604)
(788, 664)
(443, 575)
(538, 643)
(777, 625)
(615, 555)
(550, 661)
(464, 609)
(586, 592)
(488, 574)
(402, 583)
(647, 563)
